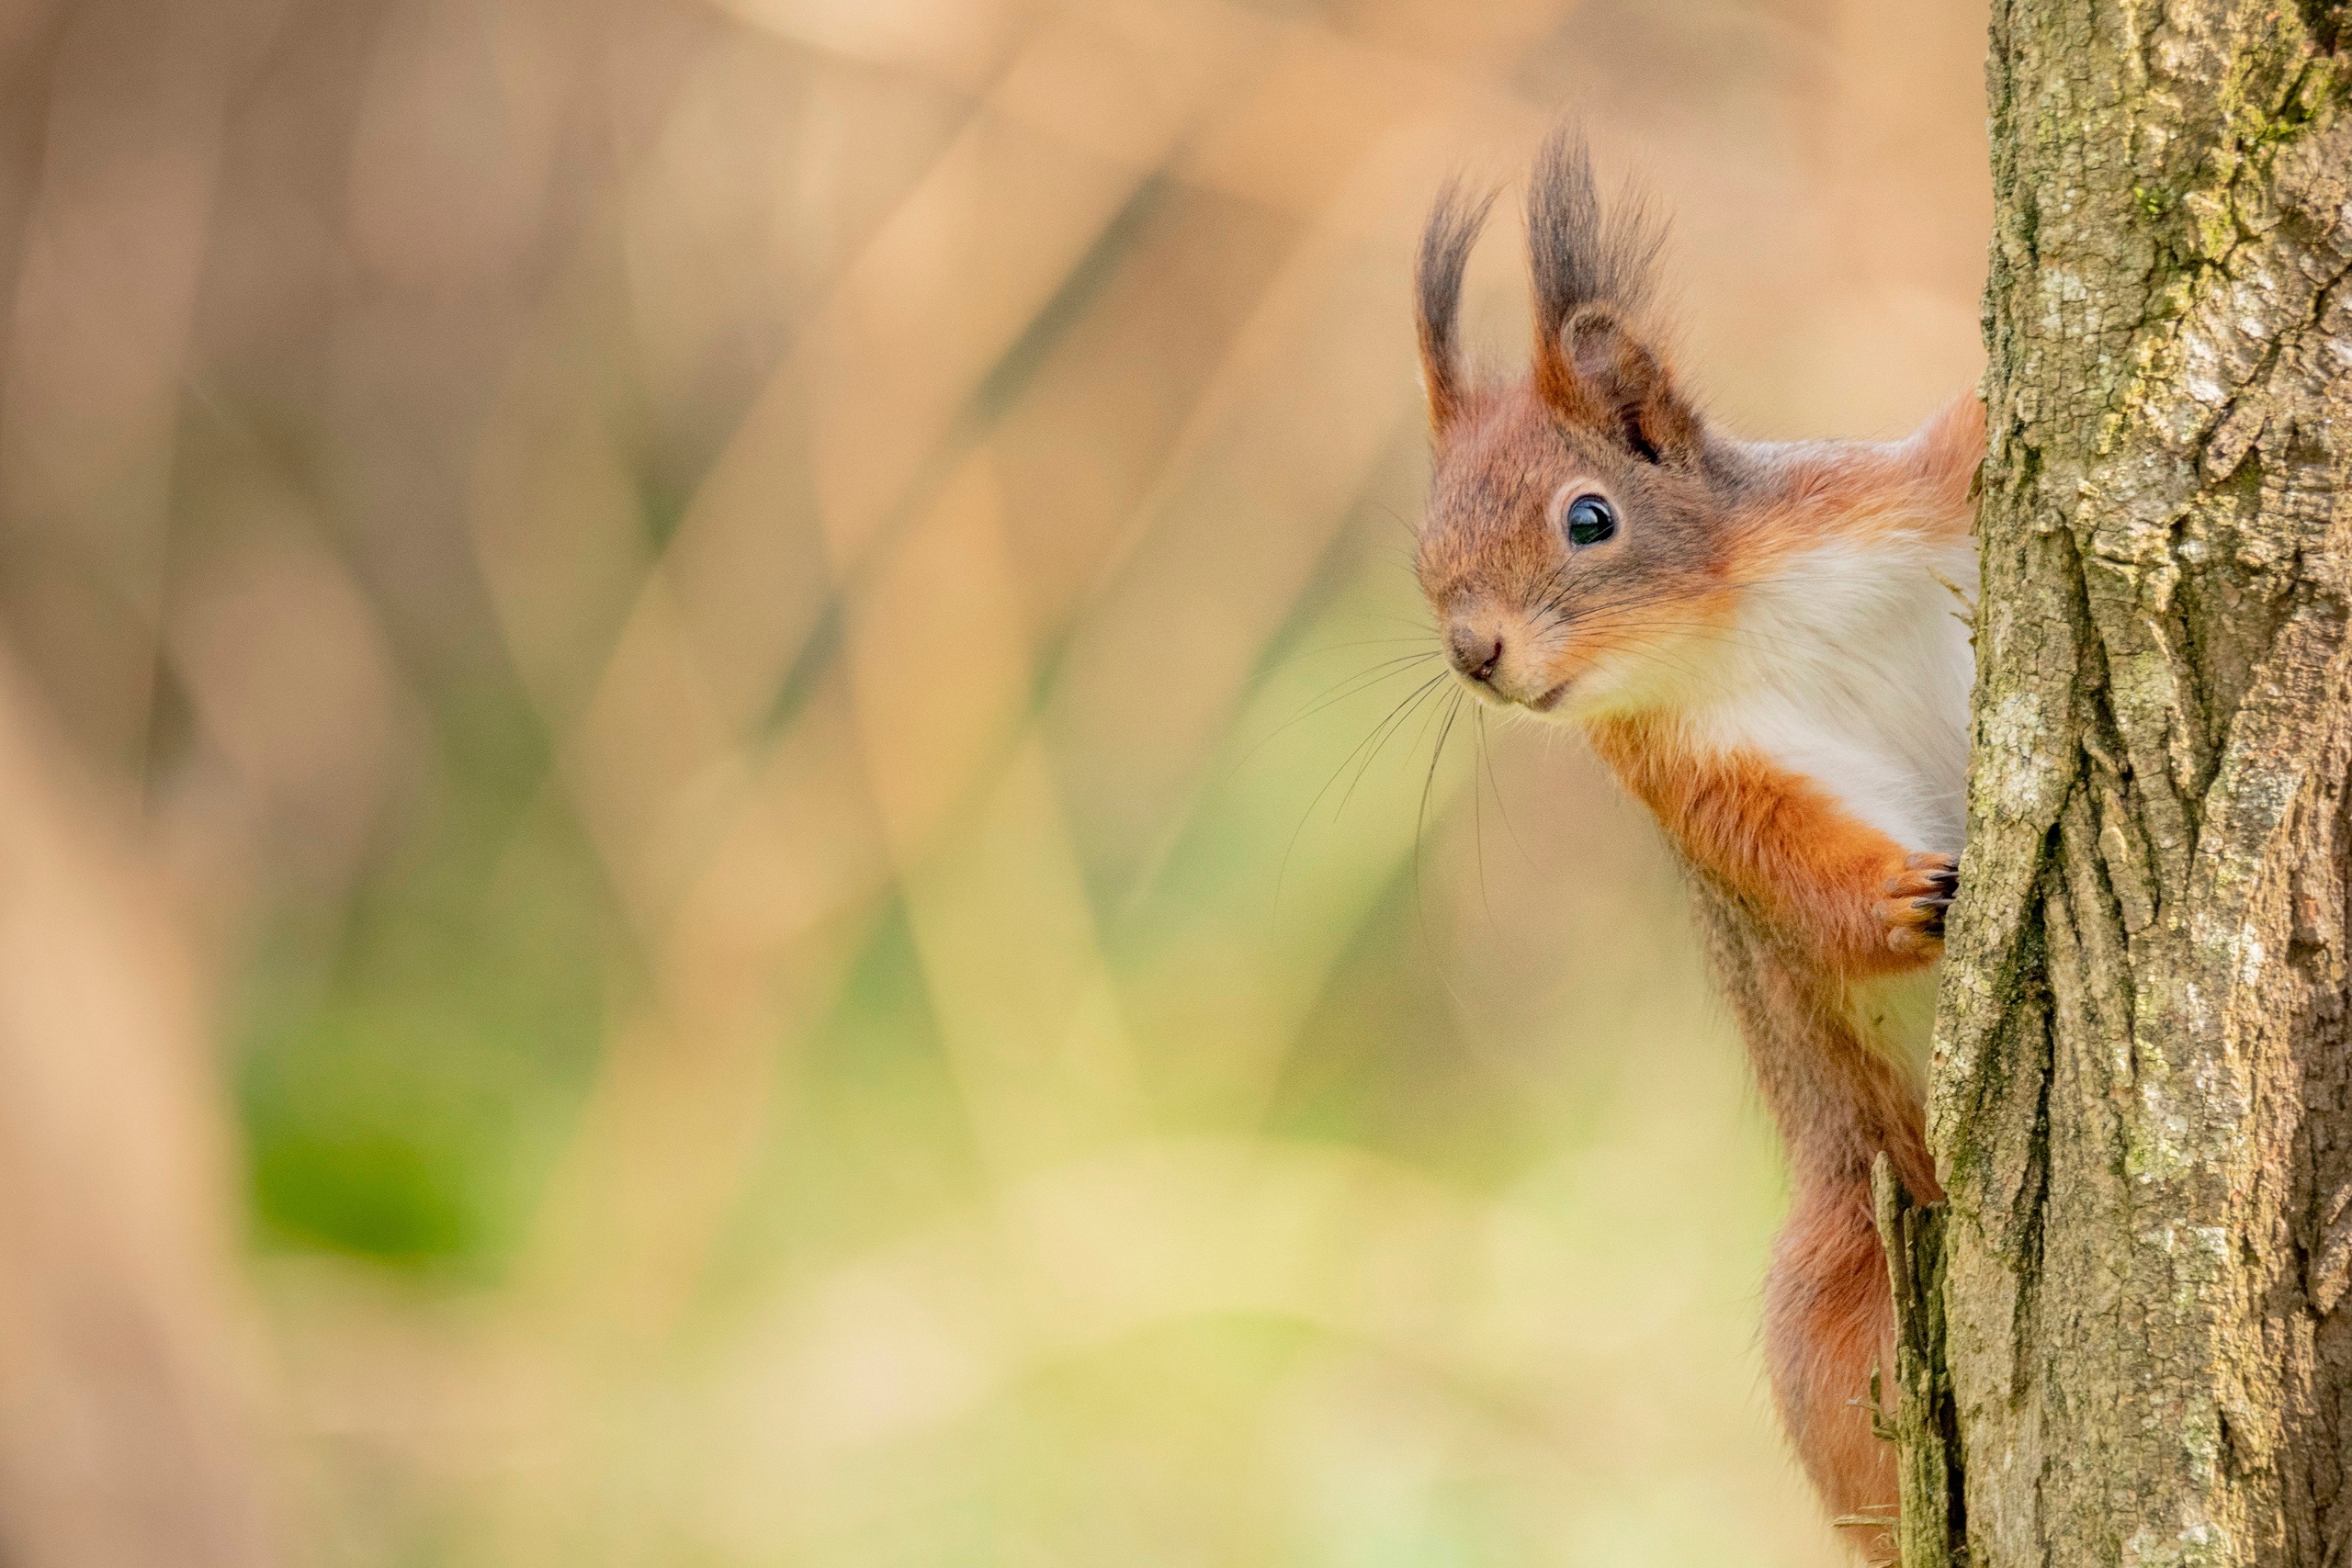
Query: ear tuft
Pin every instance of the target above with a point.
(1593, 265)
(1581, 250)
(1446, 241)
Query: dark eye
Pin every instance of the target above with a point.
(1591, 520)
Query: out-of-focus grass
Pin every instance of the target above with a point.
(768, 647)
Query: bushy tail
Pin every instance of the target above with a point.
(1828, 1325)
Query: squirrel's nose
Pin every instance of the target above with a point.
(1475, 655)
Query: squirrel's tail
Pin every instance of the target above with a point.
(1828, 1325)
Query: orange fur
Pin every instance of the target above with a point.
(1839, 887)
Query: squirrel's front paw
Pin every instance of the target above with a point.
(1915, 900)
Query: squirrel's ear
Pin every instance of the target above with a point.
(1453, 229)
(1599, 376)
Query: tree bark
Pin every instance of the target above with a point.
(2143, 1102)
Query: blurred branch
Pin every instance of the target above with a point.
(127, 1382)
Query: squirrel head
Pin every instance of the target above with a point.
(1571, 547)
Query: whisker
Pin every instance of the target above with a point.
(1478, 816)
(1352, 686)
(1495, 784)
(1395, 715)
(1366, 766)
(1750, 635)
(1420, 822)
(1304, 654)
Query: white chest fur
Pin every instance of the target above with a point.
(1850, 665)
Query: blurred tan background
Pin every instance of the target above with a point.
(718, 832)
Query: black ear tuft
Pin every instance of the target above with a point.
(1581, 251)
(1594, 268)
(1453, 230)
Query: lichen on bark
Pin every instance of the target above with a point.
(2143, 1098)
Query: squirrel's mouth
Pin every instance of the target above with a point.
(1550, 699)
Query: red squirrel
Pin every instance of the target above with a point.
(1767, 644)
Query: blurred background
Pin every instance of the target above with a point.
(721, 839)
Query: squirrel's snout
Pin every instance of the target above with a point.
(1476, 654)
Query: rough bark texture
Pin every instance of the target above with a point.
(1916, 1409)
(2144, 1098)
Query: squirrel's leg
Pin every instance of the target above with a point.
(1828, 1325)
(1856, 902)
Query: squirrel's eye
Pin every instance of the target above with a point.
(1591, 520)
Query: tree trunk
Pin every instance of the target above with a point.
(2144, 1094)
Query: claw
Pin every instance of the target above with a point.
(1918, 901)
